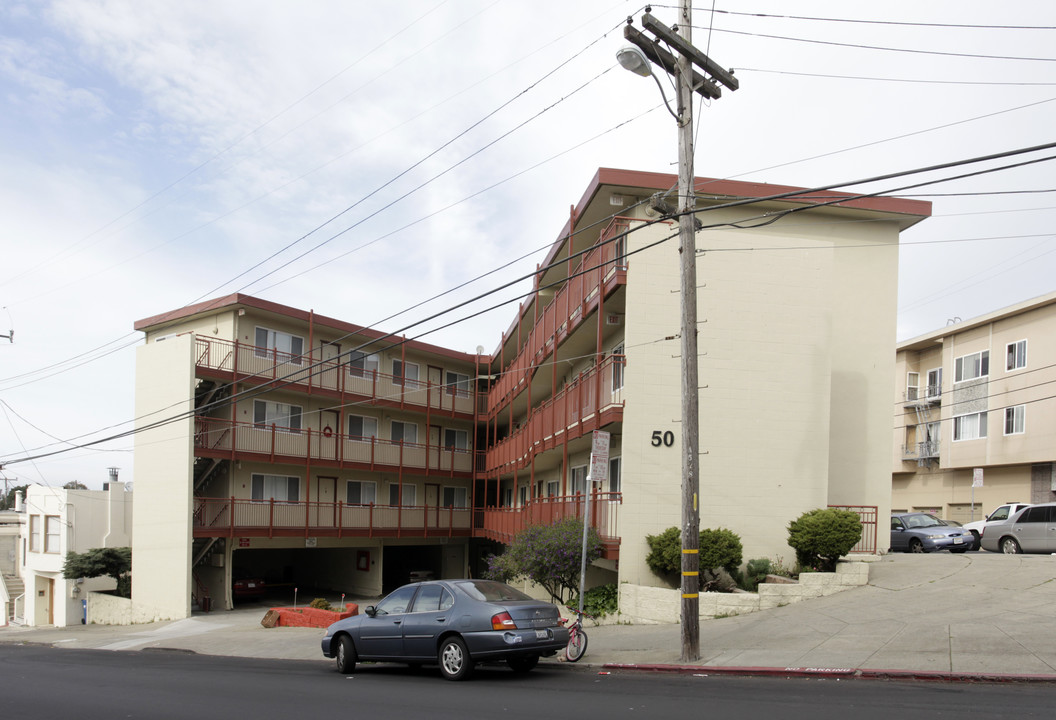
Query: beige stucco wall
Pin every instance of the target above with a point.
(796, 339)
(161, 554)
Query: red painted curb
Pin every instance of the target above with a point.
(817, 672)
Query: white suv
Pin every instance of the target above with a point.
(1001, 514)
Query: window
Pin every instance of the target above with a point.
(404, 432)
(578, 479)
(1036, 514)
(362, 428)
(1015, 420)
(409, 495)
(614, 474)
(273, 341)
(522, 493)
(362, 365)
(456, 439)
(618, 361)
(397, 602)
(1016, 355)
(507, 497)
(52, 537)
(402, 371)
(969, 427)
(458, 384)
(433, 598)
(621, 251)
(553, 488)
(34, 533)
(912, 385)
(283, 488)
(281, 415)
(934, 383)
(456, 497)
(359, 492)
(972, 366)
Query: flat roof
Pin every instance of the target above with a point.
(935, 337)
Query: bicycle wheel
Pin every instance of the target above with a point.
(577, 645)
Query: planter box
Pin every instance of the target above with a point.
(312, 617)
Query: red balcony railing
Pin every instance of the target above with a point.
(565, 311)
(216, 437)
(249, 361)
(228, 517)
(503, 523)
(591, 401)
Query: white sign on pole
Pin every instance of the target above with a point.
(977, 477)
(599, 456)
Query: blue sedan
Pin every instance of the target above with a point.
(453, 623)
(923, 532)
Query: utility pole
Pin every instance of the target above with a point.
(680, 64)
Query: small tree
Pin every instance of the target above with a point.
(75, 485)
(719, 548)
(7, 502)
(548, 555)
(821, 537)
(97, 562)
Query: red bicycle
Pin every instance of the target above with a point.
(577, 639)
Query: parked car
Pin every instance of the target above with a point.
(1000, 514)
(453, 623)
(1031, 530)
(974, 544)
(247, 588)
(923, 532)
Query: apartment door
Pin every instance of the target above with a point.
(432, 502)
(51, 601)
(330, 372)
(322, 512)
(438, 396)
(434, 448)
(329, 434)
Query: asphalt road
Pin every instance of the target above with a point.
(48, 682)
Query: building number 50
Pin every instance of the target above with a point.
(667, 439)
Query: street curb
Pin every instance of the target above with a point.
(838, 673)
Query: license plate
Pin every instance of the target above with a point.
(541, 635)
(958, 541)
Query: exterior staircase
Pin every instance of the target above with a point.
(16, 590)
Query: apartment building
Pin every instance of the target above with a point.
(323, 453)
(974, 419)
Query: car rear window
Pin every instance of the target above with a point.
(490, 591)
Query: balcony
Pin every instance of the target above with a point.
(248, 363)
(912, 398)
(226, 439)
(598, 272)
(587, 404)
(231, 517)
(503, 523)
(921, 451)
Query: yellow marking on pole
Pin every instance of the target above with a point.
(689, 572)
(687, 551)
(690, 596)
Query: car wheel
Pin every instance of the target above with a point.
(916, 546)
(1009, 546)
(346, 655)
(523, 663)
(977, 542)
(455, 663)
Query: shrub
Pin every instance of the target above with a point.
(717, 580)
(321, 604)
(548, 555)
(598, 601)
(719, 548)
(820, 537)
(754, 573)
(113, 562)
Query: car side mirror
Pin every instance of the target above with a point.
(371, 611)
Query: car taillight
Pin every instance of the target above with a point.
(503, 621)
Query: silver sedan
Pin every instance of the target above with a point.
(1031, 530)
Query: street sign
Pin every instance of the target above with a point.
(977, 477)
(599, 456)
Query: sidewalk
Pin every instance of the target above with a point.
(977, 616)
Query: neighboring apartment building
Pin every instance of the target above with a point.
(975, 399)
(10, 580)
(54, 522)
(325, 454)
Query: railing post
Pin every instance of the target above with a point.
(271, 517)
(231, 518)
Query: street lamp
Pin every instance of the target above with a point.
(631, 58)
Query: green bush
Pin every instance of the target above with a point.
(821, 537)
(600, 601)
(754, 573)
(321, 604)
(548, 555)
(719, 548)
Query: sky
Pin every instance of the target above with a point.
(359, 159)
